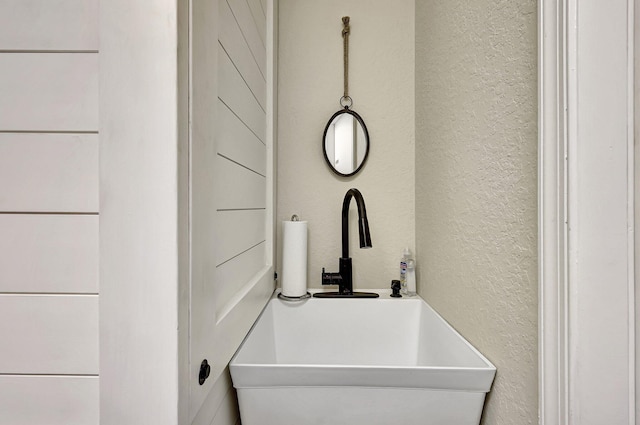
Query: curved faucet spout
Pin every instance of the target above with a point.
(363, 223)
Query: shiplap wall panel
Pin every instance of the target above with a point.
(48, 172)
(49, 92)
(49, 334)
(259, 18)
(236, 272)
(239, 188)
(240, 230)
(49, 25)
(243, 16)
(49, 253)
(235, 93)
(235, 45)
(50, 400)
(238, 143)
(263, 3)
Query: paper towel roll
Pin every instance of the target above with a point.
(294, 258)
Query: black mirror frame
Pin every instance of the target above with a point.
(346, 110)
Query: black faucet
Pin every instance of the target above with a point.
(344, 278)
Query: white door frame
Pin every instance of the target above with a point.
(586, 209)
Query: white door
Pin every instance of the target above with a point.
(231, 179)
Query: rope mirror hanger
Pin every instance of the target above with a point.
(345, 101)
(346, 139)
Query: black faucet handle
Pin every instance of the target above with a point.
(331, 278)
(395, 289)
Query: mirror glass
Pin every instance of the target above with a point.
(346, 142)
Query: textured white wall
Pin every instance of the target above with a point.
(381, 83)
(476, 155)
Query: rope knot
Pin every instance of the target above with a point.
(345, 43)
(346, 29)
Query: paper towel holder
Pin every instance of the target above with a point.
(302, 297)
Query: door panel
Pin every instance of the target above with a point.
(231, 180)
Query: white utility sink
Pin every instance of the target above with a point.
(358, 361)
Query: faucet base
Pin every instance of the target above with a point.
(351, 295)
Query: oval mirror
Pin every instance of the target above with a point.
(345, 143)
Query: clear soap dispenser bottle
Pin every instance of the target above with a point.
(406, 256)
(411, 277)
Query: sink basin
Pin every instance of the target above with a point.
(358, 361)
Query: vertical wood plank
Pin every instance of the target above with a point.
(599, 255)
(139, 240)
(205, 83)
